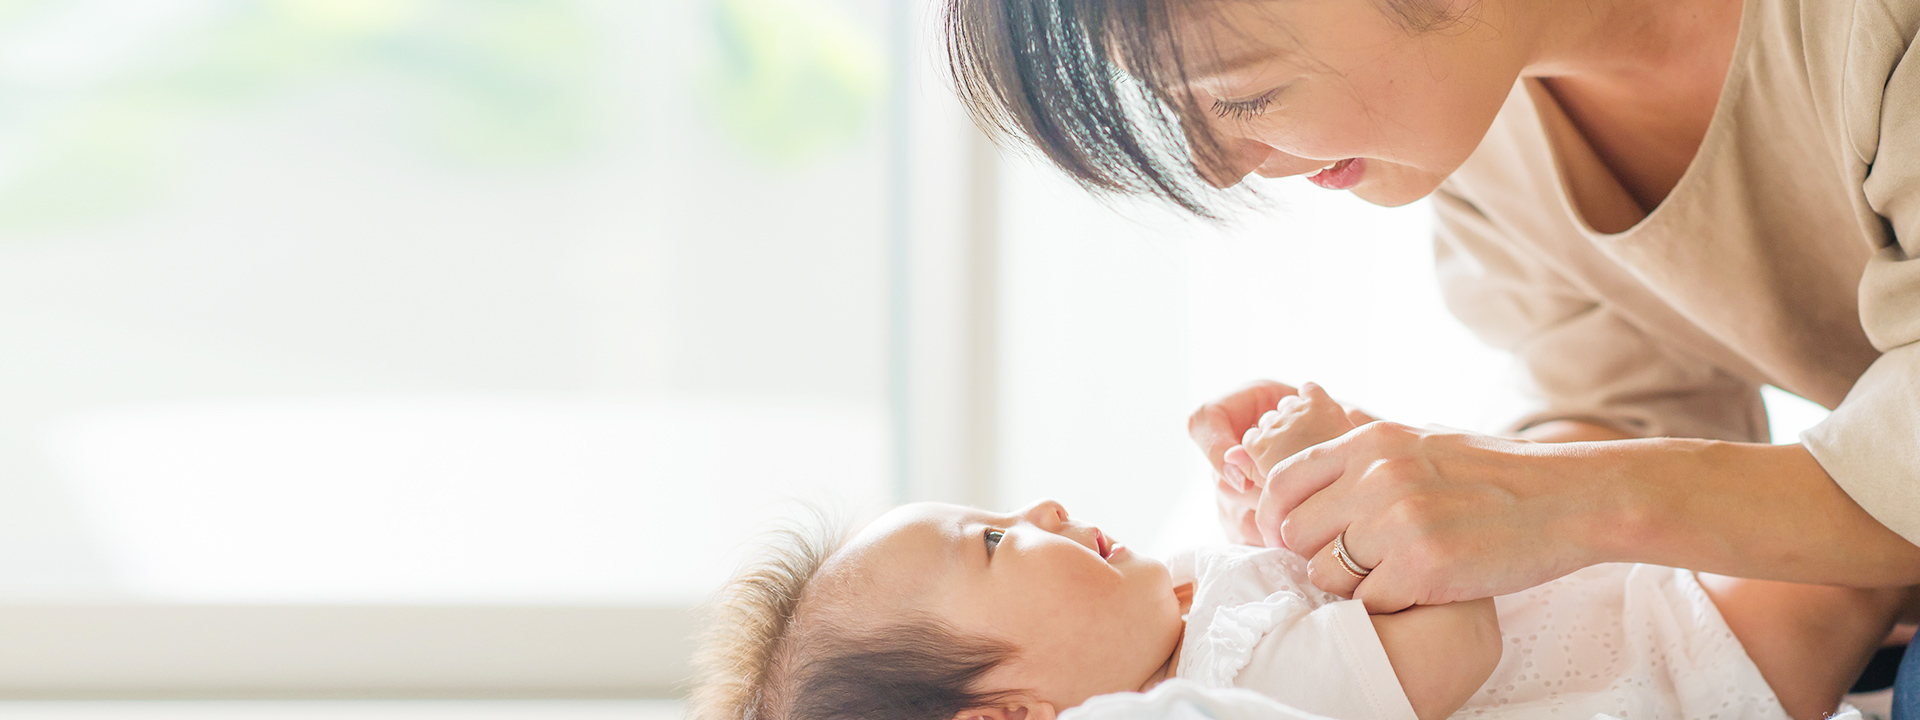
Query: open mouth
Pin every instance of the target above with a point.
(1342, 175)
(1102, 544)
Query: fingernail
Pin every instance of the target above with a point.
(1238, 478)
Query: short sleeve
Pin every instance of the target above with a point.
(1583, 360)
(1871, 442)
(1258, 623)
(1329, 661)
(1184, 700)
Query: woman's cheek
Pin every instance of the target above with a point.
(1310, 138)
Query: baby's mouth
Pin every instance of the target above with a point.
(1100, 542)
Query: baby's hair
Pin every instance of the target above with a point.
(777, 649)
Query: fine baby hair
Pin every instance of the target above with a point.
(781, 647)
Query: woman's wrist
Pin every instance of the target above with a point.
(1636, 496)
(1600, 512)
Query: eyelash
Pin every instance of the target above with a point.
(1244, 109)
(993, 540)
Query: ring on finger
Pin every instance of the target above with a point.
(1346, 560)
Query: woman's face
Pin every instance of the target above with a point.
(1294, 86)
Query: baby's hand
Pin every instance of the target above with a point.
(1300, 422)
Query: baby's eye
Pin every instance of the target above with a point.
(993, 540)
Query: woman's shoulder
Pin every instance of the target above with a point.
(1855, 52)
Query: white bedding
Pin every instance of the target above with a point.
(1186, 700)
(1628, 641)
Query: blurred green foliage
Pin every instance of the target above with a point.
(495, 82)
(791, 77)
(478, 83)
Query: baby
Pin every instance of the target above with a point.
(940, 612)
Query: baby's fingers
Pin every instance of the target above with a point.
(1241, 470)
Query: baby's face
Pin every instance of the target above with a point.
(1088, 615)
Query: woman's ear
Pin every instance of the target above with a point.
(1016, 710)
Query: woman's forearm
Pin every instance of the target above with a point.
(1559, 431)
(1749, 510)
(1761, 511)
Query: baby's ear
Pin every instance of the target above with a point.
(1018, 710)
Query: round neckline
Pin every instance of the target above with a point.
(1731, 90)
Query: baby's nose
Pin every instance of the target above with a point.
(1046, 513)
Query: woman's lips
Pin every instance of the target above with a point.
(1342, 175)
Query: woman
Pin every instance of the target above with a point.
(1658, 205)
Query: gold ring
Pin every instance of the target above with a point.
(1346, 561)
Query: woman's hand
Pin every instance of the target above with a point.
(1220, 427)
(1217, 427)
(1437, 516)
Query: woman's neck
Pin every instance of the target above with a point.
(1640, 82)
(1635, 43)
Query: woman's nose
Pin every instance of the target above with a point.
(1047, 515)
(1236, 158)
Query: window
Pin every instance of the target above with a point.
(481, 332)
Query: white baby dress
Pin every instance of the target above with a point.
(1636, 642)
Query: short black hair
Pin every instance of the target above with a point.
(1098, 87)
(1085, 82)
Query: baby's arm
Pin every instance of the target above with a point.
(1809, 641)
(1441, 654)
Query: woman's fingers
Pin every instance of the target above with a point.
(1329, 574)
(1293, 481)
(1369, 463)
(1318, 519)
(1375, 580)
(1385, 590)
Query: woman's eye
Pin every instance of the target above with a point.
(993, 540)
(1244, 109)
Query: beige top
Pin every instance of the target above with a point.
(1788, 254)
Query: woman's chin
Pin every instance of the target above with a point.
(1392, 185)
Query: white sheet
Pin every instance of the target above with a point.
(1185, 700)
